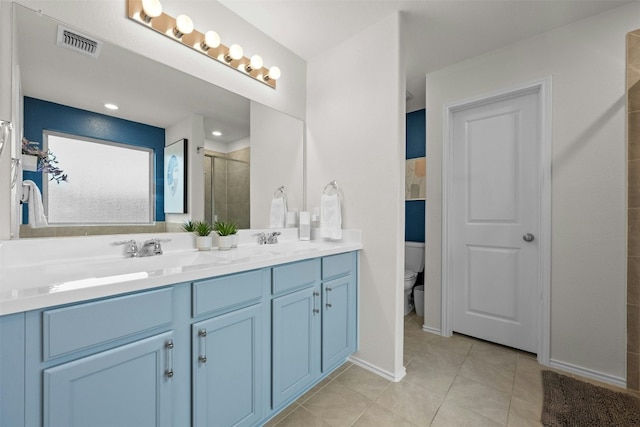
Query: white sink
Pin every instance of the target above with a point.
(177, 262)
(298, 247)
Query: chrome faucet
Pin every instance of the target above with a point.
(273, 238)
(131, 248)
(152, 247)
(262, 238)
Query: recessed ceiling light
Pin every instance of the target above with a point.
(216, 133)
(111, 106)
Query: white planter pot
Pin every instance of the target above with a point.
(225, 242)
(204, 243)
(29, 163)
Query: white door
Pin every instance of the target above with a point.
(494, 214)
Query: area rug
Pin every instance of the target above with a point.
(572, 403)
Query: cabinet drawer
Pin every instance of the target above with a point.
(337, 265)
(78, 327)
(296, 275)
(227, 292)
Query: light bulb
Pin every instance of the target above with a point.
(273, 74)
(184, 25)
(235, 52)
(255, 63)
(150, 9)
(211, 39)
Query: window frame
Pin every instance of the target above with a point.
(151, 220)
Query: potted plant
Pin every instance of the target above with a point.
(189, 226)
(202, 230)
(226, 234)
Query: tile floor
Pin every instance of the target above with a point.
(457, 381)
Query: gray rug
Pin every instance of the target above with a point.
(572, 403)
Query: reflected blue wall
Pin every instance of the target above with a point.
(416, 138)
(42, 115)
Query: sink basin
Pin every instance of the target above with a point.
(297, 247)
(166, 262)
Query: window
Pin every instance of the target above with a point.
(109, 183)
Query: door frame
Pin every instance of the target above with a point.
(542, 87)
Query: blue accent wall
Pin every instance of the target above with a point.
(42, 115)
(416, 140)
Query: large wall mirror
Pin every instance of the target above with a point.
(231, 178)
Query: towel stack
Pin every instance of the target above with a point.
(330, 217)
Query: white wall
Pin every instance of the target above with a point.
(191, 128)
(588, 285)
(355, 135)
(280, 139)
(6, 113)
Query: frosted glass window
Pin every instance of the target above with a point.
(109, 183)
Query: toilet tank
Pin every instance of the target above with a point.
(414, 256)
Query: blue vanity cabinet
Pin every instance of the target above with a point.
(230, 350)
(110, 362)
(126, 386)
(296, 326)
(339, 305)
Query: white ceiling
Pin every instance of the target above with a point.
(440, 32)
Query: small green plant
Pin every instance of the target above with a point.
(189, 226)
(225, 228)
(203, 228)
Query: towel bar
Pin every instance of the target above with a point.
(333, 184)
(279, 192)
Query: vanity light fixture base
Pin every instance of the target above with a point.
(165, 24)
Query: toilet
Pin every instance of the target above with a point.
(413, 264)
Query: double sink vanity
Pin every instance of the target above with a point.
(230, 338)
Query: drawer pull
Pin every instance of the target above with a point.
(328, 304)
(316, 310)
(169, 347)
(202, 357)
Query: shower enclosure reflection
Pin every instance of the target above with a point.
(227, 187)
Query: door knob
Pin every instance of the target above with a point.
(528, 237)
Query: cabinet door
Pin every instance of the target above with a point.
(295, 341)
(338, 321)
(227, 372)
(126, 386)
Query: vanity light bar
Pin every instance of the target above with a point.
(168, 26)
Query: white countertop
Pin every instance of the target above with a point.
(38, 273)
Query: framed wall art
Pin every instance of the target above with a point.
(175, 177)
(416, 179)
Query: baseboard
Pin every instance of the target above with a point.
(432, 330)
(588, 373)
(381, 372)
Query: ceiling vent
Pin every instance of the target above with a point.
(78, 42)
